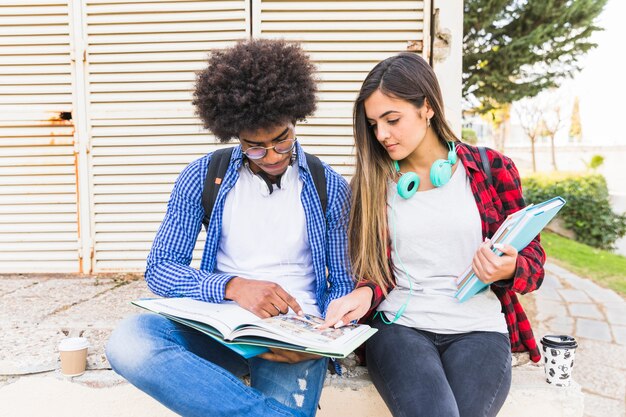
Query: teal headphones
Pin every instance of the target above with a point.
(440, 173)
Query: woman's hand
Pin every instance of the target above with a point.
(490, 267)
(347, 308)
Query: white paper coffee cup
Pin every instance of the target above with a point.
(73, 351)
(558, 358)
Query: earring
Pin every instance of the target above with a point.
(427, 122)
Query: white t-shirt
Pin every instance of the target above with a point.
(435, 235)
(264, 237)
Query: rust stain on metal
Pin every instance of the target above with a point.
(63, 118)
(80, 257)
(92, 255)
(415, 46)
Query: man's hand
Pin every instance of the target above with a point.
(287, 356)
(347, 308)
(263, 298)
(490, 267)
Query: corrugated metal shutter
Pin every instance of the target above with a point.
(345, 39)
(38, 199)
(142, 57)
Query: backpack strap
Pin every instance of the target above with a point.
(214, 177)
(219, 165)
(319, 178)
(486, 165)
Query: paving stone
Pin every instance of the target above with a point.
(600, 379)
(600, 353)
(575, 281)
(8, 286)
(574, 296)
(550, 281)
(616, 315)
(619, 333)
(599, 368)
(548, 294)
(553, 268)
(547, 309)
(605, 296)
(597, 406)
(32, 304)
(593, 329)
(541, 330)
(96, 359)
(103, 311)
(585, 310)
(583, 284)
(26, 350)
(560, 325)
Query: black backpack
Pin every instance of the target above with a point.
(485, 162)
(217, 169)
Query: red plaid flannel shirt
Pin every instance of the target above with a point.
(494, 204)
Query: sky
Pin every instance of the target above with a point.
(601, 85)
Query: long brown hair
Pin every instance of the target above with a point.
(406, 76)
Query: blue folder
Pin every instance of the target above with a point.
(518, 231)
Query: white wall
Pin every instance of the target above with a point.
(449, 69)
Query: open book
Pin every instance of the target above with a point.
(249, 335)
(518, 230)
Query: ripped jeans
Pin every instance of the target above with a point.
(193, 375)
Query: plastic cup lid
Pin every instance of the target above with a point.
(73, 343)
(559, 341)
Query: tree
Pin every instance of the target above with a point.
(552, 121)
(576, 128)
(514, 49)
(498, 116)
(530, 114)
(469, 136)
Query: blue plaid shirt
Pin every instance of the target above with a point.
(168, 273)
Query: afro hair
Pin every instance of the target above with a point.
(256, 84)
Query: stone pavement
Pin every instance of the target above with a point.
(596, 317)
(36, 312)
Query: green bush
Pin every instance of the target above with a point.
(469, 136)
(588, 210)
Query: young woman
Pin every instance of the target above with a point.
(422, 212)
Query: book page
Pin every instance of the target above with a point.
(224, 317)
(301, 330)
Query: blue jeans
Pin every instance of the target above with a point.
(420, 373)
(193, 375)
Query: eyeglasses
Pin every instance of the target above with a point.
(259, 152)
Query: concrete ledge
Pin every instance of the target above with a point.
(102, 393)
(530, 395)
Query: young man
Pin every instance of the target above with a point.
(270, 245)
